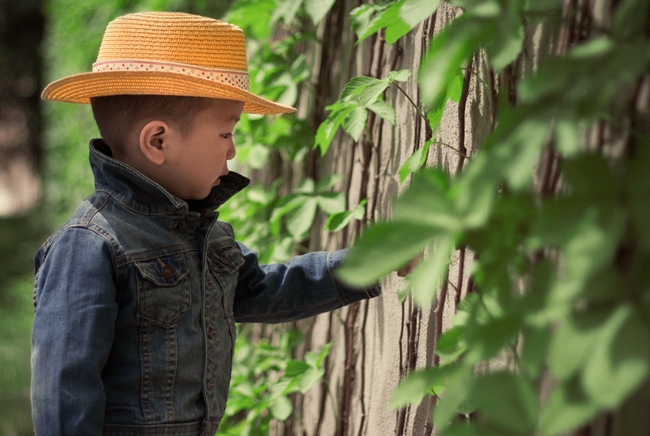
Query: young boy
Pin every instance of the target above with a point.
(137, 295)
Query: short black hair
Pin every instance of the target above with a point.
(116, 115)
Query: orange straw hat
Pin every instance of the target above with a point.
(167, 53)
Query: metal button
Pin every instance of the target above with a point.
(179, 226)
(209, 281)
(168, 271)
(210, 385)
(205, 221)
(212, 333)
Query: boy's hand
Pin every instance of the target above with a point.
(408, 268)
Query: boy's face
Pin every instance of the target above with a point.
(199, 159)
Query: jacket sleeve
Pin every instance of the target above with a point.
(304, 286)
(74, 323)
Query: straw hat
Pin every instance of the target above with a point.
(167, 53)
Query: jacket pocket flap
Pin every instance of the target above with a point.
(227, 259)
(164, 271)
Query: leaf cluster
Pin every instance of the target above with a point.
(561, 282)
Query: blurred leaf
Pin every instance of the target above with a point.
(638, 189)
(328, 182)
(285, 10)
(339, 220)
(282, 408)
(630, 19)
(535, 350)
(508, 400)
(426, 202)
(389, 19)
(567, 408)
(456, 393)
(450, 346)
(620, 360)
(300, 220)
(426, 278)
(573, 342)
(317, 9)
(417, 384)
(448, 50)
(399, 76)
(412, 12)
(383, 248)
(331, 202)
(360, 16)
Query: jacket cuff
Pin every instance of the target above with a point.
(346, 293)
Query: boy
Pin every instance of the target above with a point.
(137, 295)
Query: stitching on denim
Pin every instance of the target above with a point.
(337, 286)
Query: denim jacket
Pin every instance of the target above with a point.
(136, 299)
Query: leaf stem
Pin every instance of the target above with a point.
(455, 149)
(415, 106)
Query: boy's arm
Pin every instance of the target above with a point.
(72, 335)
(304, 286)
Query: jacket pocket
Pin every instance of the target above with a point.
(164, 294)
(226, 260)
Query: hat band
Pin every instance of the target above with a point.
(238, 79)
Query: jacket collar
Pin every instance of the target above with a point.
(141, 194)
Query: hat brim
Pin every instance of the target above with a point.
(80, 88)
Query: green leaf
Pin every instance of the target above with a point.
(340, 220)
(328, 128)
(414, 162)
(488, 339)
(307, 380)
(389, 19)
(426, 278)
(456, 393)
(573, 342)
(413, 12)
(286, 9)
(567, 136)
(295, 368)
(282, 408)
(366, 90)
(638, 189)
(506, 42)
(383, 248)
(426, 202)
(331, 202)
(300, 220)
(508, 400)
(455, 87)
(360, 16)
(567, 408)
(630, 19)
(317, 9)
(417, 384)
(620, 360)
(448, 50)
(384, 110)
(535, 350)
(355, 122)
(399, 76)
(328, 182)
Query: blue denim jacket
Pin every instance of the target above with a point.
(136, 299)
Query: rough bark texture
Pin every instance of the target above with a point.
(376, 343)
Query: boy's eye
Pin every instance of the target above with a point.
(226, 135)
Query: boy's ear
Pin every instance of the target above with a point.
(154, 141)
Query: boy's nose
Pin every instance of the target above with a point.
(231, 151)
